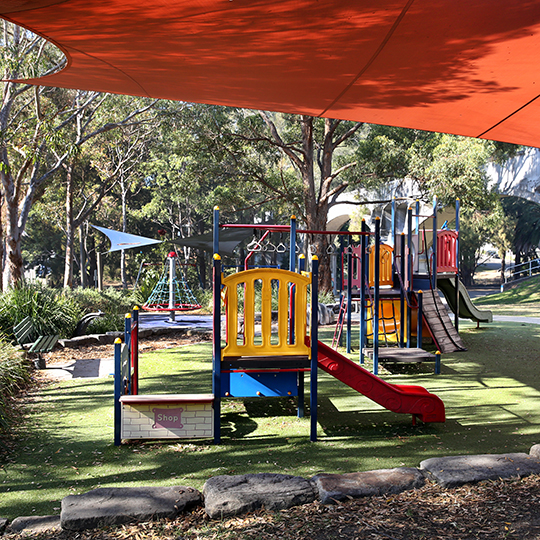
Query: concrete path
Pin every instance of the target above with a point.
(82, 368)
(182, 320)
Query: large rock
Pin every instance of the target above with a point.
(336, 487)
(231, 495)
(35, 524)
(3, 525)
(113, 506)
(105, 339)
(535, 451)
(457, 470)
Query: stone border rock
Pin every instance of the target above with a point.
(114, 506)
(337, 487)
(226, 496)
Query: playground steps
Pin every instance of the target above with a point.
(440, 325)
(397, 355)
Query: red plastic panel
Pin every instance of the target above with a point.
(447, 251)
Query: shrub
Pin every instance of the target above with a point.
(51, 311)
(14, 377)
(110, 322)
(114, 303)
(111, 301)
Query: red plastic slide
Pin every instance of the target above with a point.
(399, 398)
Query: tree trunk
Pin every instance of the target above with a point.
(316, 206)
(2, 240)
(14, 261)
(123, 277)
(68, 267)
(92, 261)
(84, 276)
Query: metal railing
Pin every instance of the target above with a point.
(522, 270)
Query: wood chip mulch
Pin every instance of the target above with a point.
(62, 356)
(508, 509)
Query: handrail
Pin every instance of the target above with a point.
(526, 269)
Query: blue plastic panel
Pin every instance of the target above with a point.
(271, 384)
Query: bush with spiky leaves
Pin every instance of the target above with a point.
(52, 311)
(14, 377)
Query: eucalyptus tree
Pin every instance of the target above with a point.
(42, 131)
(106, 137)
(196, 162)
(323, 159)
(27, 129)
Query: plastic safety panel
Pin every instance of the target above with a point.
(259, 384)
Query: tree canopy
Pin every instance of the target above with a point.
(70, 158)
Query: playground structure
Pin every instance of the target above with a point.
(162, 416)
(265, 355)
(171, 293)
(398, 293)
(275, 363)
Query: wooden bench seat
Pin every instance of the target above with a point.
(25, 334)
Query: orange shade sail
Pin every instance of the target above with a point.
(469, 67)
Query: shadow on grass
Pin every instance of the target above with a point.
(65, 444)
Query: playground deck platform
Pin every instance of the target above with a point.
(402, 355)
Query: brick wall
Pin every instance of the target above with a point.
(158, 420)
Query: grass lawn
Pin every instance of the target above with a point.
(521, 301)
(491, 394)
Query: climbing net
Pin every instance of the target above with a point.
(184, 299)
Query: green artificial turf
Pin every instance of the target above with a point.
(491, 394)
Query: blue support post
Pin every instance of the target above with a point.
(377, 273)
(409, 274)
(216, 357)
(216, 229)
(117, 391)
(417, 218)
(292, 244)
(458, 210)
(438, 363)
(393, 223)
(402, 292)
(420, 296)
(302, 263)
(349, 297)
(363, 278)
(456, 319)
(314, 346)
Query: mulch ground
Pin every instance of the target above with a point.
(508, 509)
(61, 356)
